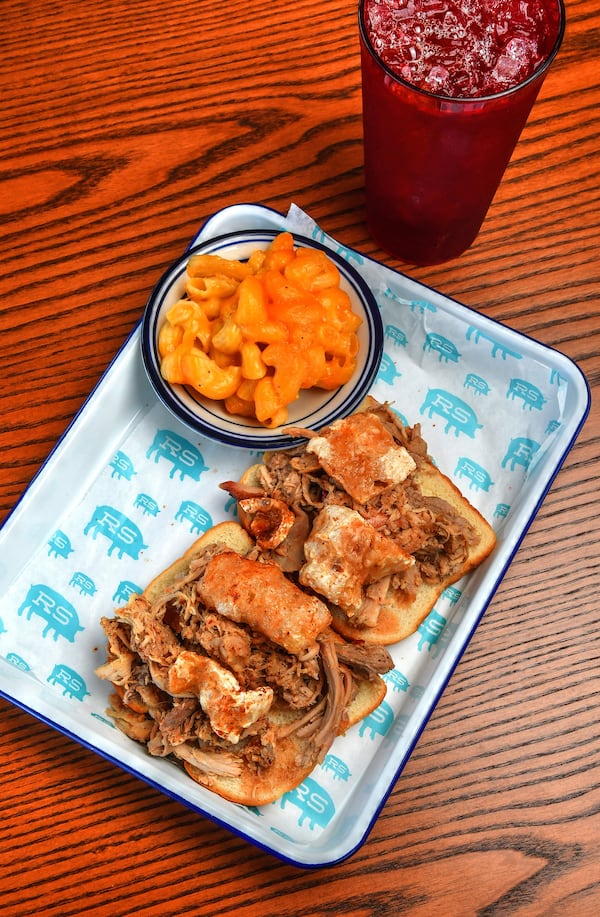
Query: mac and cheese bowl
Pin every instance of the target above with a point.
(252, 333)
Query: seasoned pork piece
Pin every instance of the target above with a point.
(260, 596)
(361, 454)
(345, 554)
(229, 709)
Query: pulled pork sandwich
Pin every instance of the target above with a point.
(363, 518)
(227, 665)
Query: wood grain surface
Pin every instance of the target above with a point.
(124, 125)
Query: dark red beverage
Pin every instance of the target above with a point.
(447, 89)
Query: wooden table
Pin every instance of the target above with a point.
(124, 125)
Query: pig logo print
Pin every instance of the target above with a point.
(396, 336)
(148, 506)
(337, 767)
(521, 451)
(396, 680)
(502, 510)
(125, 590)
(348, 254)
(59, 545)
(416, 305)
(421, 306)
(459, 415)
(2, 628)
(314, 802)
(553, 426)
(498, 348)
(184, 457)
(199, 519)
(477, 476)
(122, 467)
(430, 629)
(60, 616)
(378, 722)
(387, 370)
(18, 662)
(441, 644)
(452, 594)
(529, 394)
(123, 534)
(441, 345)
(72, 684)
(476, 384)
(84, 583)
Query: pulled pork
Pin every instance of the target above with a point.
(148, 643)
(427, 527)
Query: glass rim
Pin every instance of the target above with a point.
(541, 68)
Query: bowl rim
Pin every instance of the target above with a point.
(257, 437)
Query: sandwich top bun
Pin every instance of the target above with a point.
(226, 665)
(370, 512)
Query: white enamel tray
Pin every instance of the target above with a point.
(127, 489)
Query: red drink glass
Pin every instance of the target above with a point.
(433, 161)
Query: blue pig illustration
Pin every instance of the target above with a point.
(396, 680)
(431, 629)
(378, 722)
(443, 640)
(18, 662)
(387, 370)
(122, 466)
(416, 305)
(184, 456)
(396, 336)
(530, 394)
(148, 506)
(314, 803)
(337, 767)
(497, 346)
(83, 582)
(521, 451)
(460, 416)
(476, 384)
(452, 594)
(477, 476)
(199, 519)
(123, 534)
(348, 254)
(446, 349)
(59, 614)
(60, 545)
(125, 590)
(72, 684)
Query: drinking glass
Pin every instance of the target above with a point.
(433, 163)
